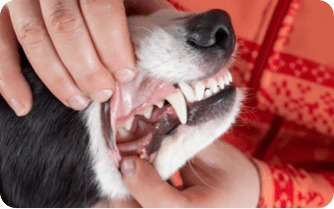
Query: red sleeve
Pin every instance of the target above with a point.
(286, 186)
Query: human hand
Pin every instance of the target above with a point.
(218, 176)
(77, 48)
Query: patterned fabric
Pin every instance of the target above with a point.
(290, 129)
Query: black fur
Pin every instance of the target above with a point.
(44, 156)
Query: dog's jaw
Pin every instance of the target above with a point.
(189, 140)
(160, 49)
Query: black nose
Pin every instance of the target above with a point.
(212, 31)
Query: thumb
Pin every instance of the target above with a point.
(146, 185)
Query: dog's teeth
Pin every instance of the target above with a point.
(207, 93)
(122, 132)
(160, 104)
(142, 124)
(128, 124)
(226, 79)
(229, 76)
(213, 86)
(148, 112)
(221, 83)
(199, 88)
(178, 101)
(188, 92)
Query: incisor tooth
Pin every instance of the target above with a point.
(179, 104)
(188, 92)
(213, 86)
(226, 79)
(221, 83)
(148, 112)
(229, 76)
(160, 104)
(207, 93)
(199, 88)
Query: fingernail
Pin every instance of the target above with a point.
(101, 96)
(78, 102)
(17, 107)
(128, 167)
(124, 75)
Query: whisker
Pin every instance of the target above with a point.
(201, 178)
(143, 28)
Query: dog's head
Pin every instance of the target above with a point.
(181, 99)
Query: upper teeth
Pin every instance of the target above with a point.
(194, 92)
(128, 124)
(160, 104)
(188, 92)
(213, 86)
(148, 112)
(178, 101)
(197, 92)
(199, 88)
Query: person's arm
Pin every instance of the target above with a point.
(285, 186)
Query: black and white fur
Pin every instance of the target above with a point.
(56, 157)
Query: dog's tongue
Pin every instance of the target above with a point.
(135, 96)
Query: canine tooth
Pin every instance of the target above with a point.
(122, 132)
(229, 76)
(148, 112)
(188, 92)
(142, 124)
(213, 86)
(178, 101)
(128, 124)
(221, 83)
(199, 88)
(160, 104)
(207, 93)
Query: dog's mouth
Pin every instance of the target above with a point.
(143, 122)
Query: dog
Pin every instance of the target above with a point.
(181, 101)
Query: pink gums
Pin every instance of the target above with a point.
(133, 97)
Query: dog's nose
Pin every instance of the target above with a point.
(212, 31)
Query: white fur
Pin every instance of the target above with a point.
(108, 177)
(162, 53)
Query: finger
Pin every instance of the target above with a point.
(147, 187)
(73, 43)
(13, 86)
(107, 25)
(31, 32)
